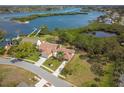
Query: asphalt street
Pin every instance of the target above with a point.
(57, 82)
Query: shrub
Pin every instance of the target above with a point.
(97, 69)
(94, 85)
(2, 50)
(83, 57)
(66, 71)
(97, 79)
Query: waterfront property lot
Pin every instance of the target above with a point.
(52, 63)
(77, 71)
(11, 76)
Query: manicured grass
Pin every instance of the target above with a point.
(11, 76)
(34, 57)
(52, 63)
(78, 72)
(106, 79)
(49, 38)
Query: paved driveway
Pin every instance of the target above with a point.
(60, 68)
(40, 61)
(57, 82)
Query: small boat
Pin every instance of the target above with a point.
(26, 22)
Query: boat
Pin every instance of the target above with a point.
(20, 22)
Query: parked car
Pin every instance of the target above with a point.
(14, 60)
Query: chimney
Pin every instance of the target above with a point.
(43, 41)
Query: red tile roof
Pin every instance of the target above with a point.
(49, 48)
(68, 53)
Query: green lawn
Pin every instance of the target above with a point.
(11, 76)
(34, 57)
(77, 71)
(52, 63)
(106, 79)
(49, 38)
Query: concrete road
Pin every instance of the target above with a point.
(57, 82)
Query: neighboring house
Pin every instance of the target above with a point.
(115, 15)
(49, 49)
(108, 20)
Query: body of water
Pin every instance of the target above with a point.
(102, 34)
(66, 21)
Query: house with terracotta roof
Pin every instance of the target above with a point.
(68, 53)
(49, 49)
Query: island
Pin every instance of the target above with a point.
(29, 18)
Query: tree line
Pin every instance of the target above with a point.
(101, 51)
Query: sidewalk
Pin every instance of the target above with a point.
(41, 83)
(44, 83)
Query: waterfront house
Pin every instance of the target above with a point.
(108, 20)
(49, 49)
(68, 53)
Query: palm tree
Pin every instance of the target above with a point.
(60, 55)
